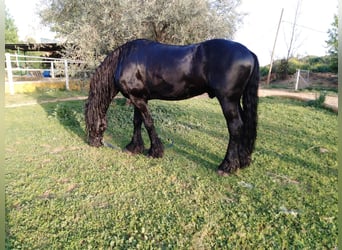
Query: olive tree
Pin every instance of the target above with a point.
(94, 27)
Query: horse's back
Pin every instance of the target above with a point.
(161, 71)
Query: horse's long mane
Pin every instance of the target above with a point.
(101, 92)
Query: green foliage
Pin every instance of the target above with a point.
(332, 43)
(61, 193)
(317, 64)
(281, 68)
(100, 26)
(264, 70)
(319, 101)
(312, 63)
(11, 30)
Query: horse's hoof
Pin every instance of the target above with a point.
(95, 142)
(222, 173)
(245, 160)
(155, 154)
(126, 151)
(129, 152)
(229, 167)
(130, 148)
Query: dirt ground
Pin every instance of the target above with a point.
(330, 101)
(326, 80)
(319, 81)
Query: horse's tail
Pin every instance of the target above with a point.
(101, 92)
(250, 106)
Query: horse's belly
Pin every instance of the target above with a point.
(176, 91)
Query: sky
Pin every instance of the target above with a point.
(257, 31)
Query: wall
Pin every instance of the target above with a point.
(32, 86)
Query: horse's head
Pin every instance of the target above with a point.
(95, 126)
(101, 92)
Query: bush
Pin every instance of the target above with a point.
(318, 102)
(320, 67)
(264, 70)
(283, 68)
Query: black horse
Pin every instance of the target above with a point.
(143, 70)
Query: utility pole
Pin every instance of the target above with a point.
(289, 51)
(275, 41)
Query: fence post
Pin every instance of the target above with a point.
(9, 73)
(66, 74)
(297, 81)
(52, 70)
(17, 60)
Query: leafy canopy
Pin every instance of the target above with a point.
(99, 26)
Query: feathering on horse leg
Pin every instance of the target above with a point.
(231, 161)
(157, 149)
(136, 146)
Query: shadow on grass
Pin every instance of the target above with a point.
(168, 118)
(197, 154)
(173, 126)
(68, 113)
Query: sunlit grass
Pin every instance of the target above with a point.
(61, 193)
(41, 96)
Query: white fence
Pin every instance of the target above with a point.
(302, 79)
(29, 68)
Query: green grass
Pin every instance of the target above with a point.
(42, 95)
(63, 194)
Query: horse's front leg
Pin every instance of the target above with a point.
(231, 162)
(136, 146)
(157, 149)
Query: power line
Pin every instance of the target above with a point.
(304, 27)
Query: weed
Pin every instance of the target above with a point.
(319, 101)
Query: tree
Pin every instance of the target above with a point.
(332, 44)
(99, 26)
(11, 31)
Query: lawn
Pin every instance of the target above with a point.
(63, 194)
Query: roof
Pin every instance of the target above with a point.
(49, 47)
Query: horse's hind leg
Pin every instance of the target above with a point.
(245, 156)
(157, 149)
(136, 146)
(231, 111)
